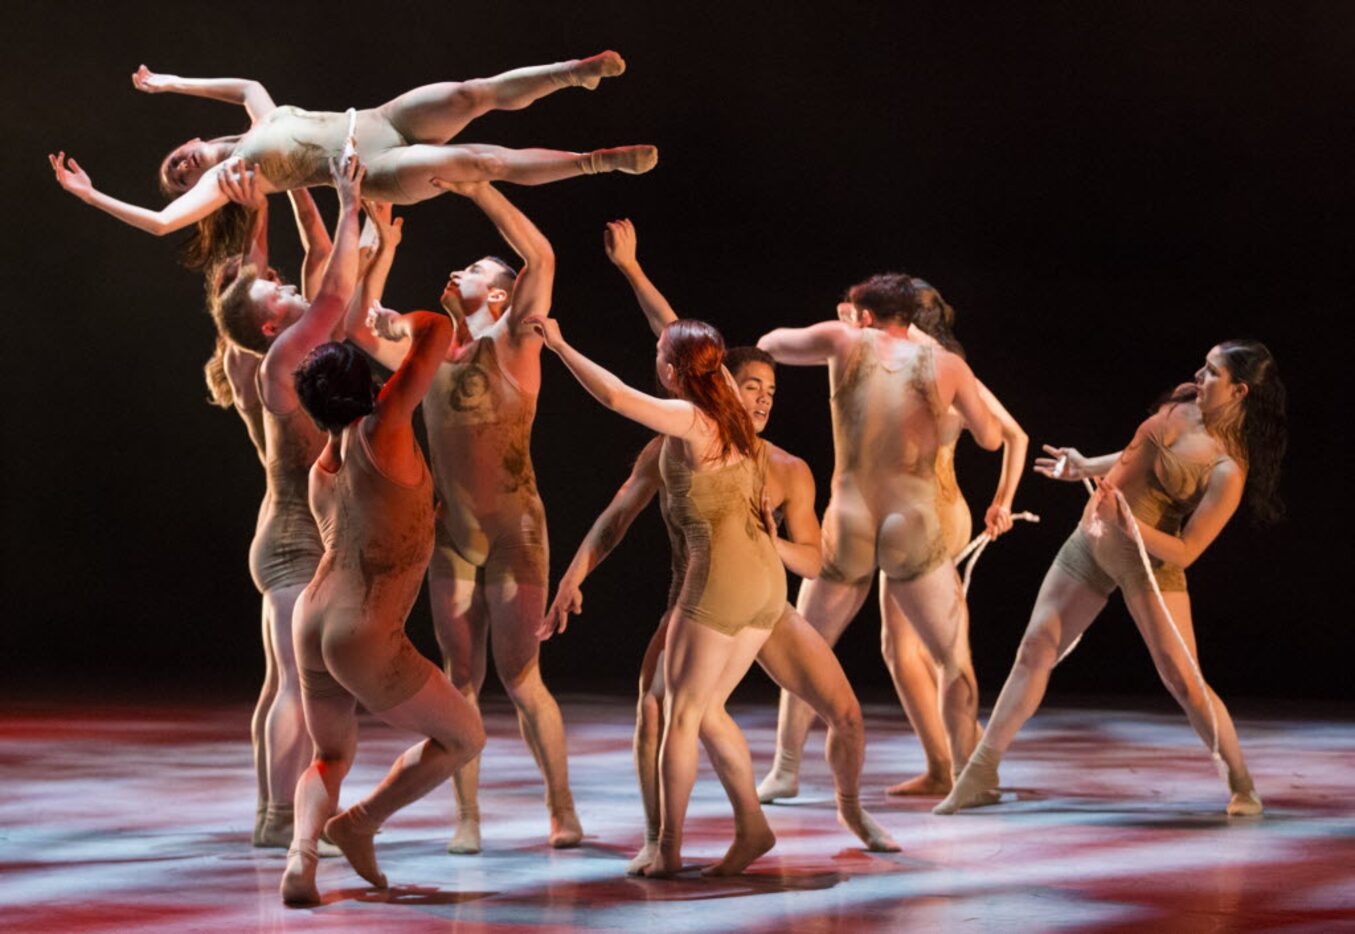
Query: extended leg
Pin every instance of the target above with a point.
(434, 113)
(1063, 610)
(801, 663)
(828, 606)
(913, 672)
(648, 735)
(289, 747)
(257, 732)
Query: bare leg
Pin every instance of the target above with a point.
(461, 623)
(797, 659)
(1063, 610)
(914, 675)
(333, 727)
(434, 113)
(515, 610)
(256, 726)
(1178, 674)
(455, 735)
(728, 753)
(701, 668)
(288, 745)
(648, 734)
(828, 606)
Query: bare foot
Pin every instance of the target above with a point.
(357, 847)
(647, 855)
(565, 830)
(778, 784)
(588, 72)
(867, 829)
(466, 840)
(666, 864)
(1245, 804)
(925, 785)
(745, 848)
(298, 879)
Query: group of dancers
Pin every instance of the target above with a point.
(354, 517)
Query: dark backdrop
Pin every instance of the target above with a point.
(1102, 192)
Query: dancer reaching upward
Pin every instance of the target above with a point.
(1174, 488)
(489, 575)
(890, 393)
(404, 142)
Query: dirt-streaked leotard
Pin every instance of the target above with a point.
(286, 546)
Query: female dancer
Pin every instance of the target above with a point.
(1174, 488)
(373, 498)
(734, 591)
(403, 142)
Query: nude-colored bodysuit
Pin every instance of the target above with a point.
(956, 522)
(733, 576)
(882, 511)
(490, 516)
(286, 546)
(293, 148)
(1170, 489)
(350, 621)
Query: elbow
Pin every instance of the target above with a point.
(540, 259)
(813, 565)
(991, 439)
(767, 343)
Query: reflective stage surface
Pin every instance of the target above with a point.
(138, 819)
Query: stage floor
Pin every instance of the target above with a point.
(137, 818)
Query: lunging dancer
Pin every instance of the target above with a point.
(889, 395)
(1173, 488)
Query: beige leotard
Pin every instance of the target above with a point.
(293, 148)
(882, 511)
(490, 516)
(1170, 489)
(378, 536)
(286, 546)
(733, 576)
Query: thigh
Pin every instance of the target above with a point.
(829, 606)
(651, 679)
(403, 175)
(1064, 609)
(798, 659)
(436, 710)
(460, 617)
(281, 604)
(897, 631)
(934, 605)
(1170, 641)
(433, 113)
(331, 720)
(694, 663)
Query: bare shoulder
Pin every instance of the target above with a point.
(788, 468)
(647, 461)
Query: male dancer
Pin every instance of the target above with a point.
(489, 573)
(795, 656)
(888, 394)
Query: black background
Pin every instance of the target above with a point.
(1102, 191)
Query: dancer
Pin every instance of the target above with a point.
(890, 392)
(734, 592)
(794, 656)
(1174, 488)
(489, 575)
(912, 670)
(404, 142)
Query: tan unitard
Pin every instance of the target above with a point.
(882, 511)
(490, 516)
(350, 621)
(286, 546)
(956, 522)
(1172, 488)
(734, 577)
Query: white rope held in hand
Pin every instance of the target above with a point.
(1096, 529)
(980, 542)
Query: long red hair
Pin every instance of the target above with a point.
(697, 352)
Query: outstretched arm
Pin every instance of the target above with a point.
(249, 94)
(191, 206)
(619, 241)
(388, 230)
(998, 518)
(241, 185)
(675, 417)
(607, 531)
(310, 227)
(815, 344)
(1072, 465)
(429, 335)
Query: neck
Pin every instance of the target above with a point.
(894, 329)
(1224, 422)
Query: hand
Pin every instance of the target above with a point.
(348, 181)
(997, 520)
(548, 329)
(70, 176)
(143, 79)
(568, 599)
(465, 189)
(389, 230)
(241, 185)
(619, 242)
(769, 518)
(385, 323)
(1062, 464)
(1114, 507)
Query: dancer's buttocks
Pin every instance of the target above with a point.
(293, 147)
(489, 513)
(888, 522)
(733, 576)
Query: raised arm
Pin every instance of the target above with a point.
(998, 518)
(607, 531)
(619, 241)
(388, 232)
(241, 185)
(956, 380)
(191, 206)
(816, 344)
(310, 227)
(675, 417)
(249, 94)
(429, 335)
